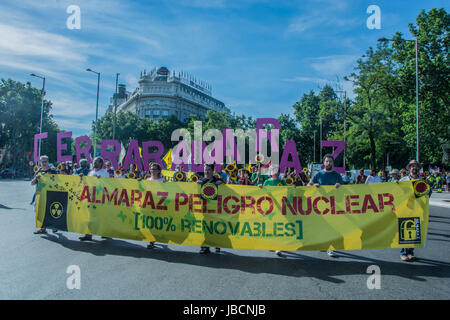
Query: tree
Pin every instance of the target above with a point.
(20, 112)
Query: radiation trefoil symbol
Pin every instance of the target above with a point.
(56, 210)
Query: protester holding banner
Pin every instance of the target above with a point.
(155, 175)
(84, 168)
(274, 180)
(394, 175)
(407, 254)
(209, 178)
(133, 172)
(179, 175)
(108, 169)
(98, 172)
(44, 169)
(256, 178)
(244, 178)
(327, 177)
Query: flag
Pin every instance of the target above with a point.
(168, 159)
(122, 153)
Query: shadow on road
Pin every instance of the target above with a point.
(298, 265)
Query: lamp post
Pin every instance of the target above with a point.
(42, 107)
(96, 111)
(417, 90)
(115, 107)
(345, 116)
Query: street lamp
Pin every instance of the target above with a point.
(345, 116)
(115, 107)
(96, 112)
(417, 91)
(42, 107)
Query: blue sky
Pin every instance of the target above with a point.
(260, 56)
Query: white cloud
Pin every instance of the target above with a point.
(334, 65)
(33, 42)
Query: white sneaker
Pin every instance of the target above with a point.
(331, 253)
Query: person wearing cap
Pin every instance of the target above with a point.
(394, 175)
(407, 254)
(44, 169)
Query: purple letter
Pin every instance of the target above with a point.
(84, 150)
(156, 156)
(133, 156)
(340, 146)
(62, 146)
(289, 148)
(111, 155)
(37, 137)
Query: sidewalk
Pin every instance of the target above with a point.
(440, 199)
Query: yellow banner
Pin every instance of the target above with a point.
(352, 217)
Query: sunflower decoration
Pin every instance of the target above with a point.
(289, 181)
(148, 175)
(118, 172)
(60, 167)
(194, 178)
(421, 188)
(35, 169)
(230, 167)
(131, 175)
(305, 170)
(233, 176)
(259, 158)
(209, 191)
(179, 176)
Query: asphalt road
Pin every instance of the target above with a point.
(35, 266)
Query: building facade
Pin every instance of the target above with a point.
(161, 94)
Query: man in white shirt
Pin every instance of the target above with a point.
(98, 172)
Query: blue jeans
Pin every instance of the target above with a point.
(406, 251)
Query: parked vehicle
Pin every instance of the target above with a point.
(7, 174)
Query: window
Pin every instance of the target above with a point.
(156, 102)
(148, 102)
(156, 112)
(165, 113)
(166, 103)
